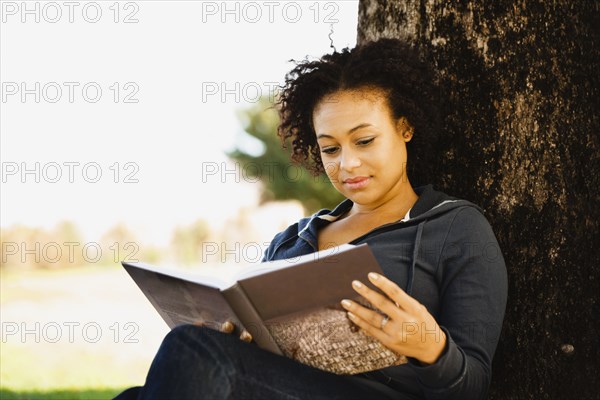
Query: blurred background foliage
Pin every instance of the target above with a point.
(260, 156)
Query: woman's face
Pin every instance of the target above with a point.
(362, 147)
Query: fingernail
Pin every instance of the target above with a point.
(373, 276)
(357, 284)
(351, 316)
(227, 327)
(245, 336)
(346, 303)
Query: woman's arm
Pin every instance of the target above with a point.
(452, 356)
(473, 294)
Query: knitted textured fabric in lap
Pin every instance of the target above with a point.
(326, 339)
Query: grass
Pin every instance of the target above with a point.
(63, 394)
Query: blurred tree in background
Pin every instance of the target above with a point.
(281, 178)
(27, 247)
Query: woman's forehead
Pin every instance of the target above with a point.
(344, 111)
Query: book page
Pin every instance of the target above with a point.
(180, 301)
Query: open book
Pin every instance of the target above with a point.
(290, 307)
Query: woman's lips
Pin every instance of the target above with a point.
(357, 183)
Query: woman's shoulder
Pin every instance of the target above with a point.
(451, 219)
(433, 203)
(295, 230)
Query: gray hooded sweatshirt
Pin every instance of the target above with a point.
(445, 255)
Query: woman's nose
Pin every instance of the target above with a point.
(349, 160)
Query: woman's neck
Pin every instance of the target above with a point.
(391, 209)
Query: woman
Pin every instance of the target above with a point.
(362, 116)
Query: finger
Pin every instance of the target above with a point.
(369, 329)
(380, 301)
(246, 336)
(372, 317)
(227, 327)
(394, 292)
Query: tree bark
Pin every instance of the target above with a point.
(520, 139)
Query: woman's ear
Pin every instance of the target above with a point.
(405, 129)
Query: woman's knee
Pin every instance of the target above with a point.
(189, 365)
(192, 349)
(202, 339)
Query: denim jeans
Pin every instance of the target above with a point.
(200, 363)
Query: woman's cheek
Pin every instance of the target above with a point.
(331, 171)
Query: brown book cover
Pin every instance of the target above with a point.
(290, 307)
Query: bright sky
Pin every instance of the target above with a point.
(149, 104)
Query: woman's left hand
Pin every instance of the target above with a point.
(409, 329)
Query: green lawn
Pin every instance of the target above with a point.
(74, 394)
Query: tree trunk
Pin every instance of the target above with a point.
(520, 138)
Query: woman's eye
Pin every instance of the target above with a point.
(365, 142)
(329, 150)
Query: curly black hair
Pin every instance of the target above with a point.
(388, 64)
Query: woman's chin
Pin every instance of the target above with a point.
(358, 197)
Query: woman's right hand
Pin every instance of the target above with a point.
(228, 327)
